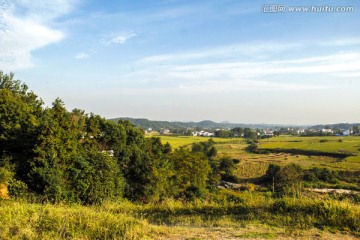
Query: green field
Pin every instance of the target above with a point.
(178, 141)
(325, 144)
(254, 165)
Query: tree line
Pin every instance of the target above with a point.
(52, 154)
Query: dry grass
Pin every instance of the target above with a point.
(254, 216)
(4, 193)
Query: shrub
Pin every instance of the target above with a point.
(17, 188)
(284, 180)
(253, 148)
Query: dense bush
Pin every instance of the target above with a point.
(320, 174)
(284, 179)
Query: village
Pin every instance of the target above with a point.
(261, 133)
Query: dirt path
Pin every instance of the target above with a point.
(332, 190)
(247, 232)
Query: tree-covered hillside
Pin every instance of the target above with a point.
(53, 154)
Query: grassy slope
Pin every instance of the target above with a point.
(256, 216)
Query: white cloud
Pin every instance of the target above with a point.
(235, 50)
(206, 72)
(25, 28)
(254, 50)
(119, 39)
(341, 42)
(81, 56)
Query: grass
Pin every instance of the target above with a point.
(228, 215)
(254, 216)
(324, 144)
(179, 141)
(254, 165)
(33, 221)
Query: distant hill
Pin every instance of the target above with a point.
(206, 124)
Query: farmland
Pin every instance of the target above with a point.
(249, 214)
(255, 165)
(178, 141)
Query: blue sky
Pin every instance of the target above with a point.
(223, 60)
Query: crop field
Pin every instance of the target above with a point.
(254, 165)
(178, 141)
(324, 144)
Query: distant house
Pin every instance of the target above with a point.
(165, 131)
(269, 133)
(208, 134)
(302, 130)
(203, 134)
(325, 130)
(347, 133)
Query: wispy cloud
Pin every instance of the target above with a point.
(81, 56)
(119, 38)
(341, 42)
(25, 28)
(235, 50)
(246, 67)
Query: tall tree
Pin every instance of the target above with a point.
(20, 112)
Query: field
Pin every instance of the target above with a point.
(254, 165)
(178, 141)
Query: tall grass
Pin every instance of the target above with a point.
(34, 221)
(126, 220)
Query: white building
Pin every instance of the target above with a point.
(347, 133)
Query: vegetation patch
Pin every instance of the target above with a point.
(341, 155)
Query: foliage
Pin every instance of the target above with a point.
(286, 179)
(253, 148)
(321, 174)
(192, 170)
(227, 167)
(70, 156)
(20, 112)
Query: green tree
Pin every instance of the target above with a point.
(20, 112)
(356, 130)
(57, 146)
(95, 178)
(191, 171)
(227, 167)
(286, 179)
(249, 133)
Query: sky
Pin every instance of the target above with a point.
(254, 61)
